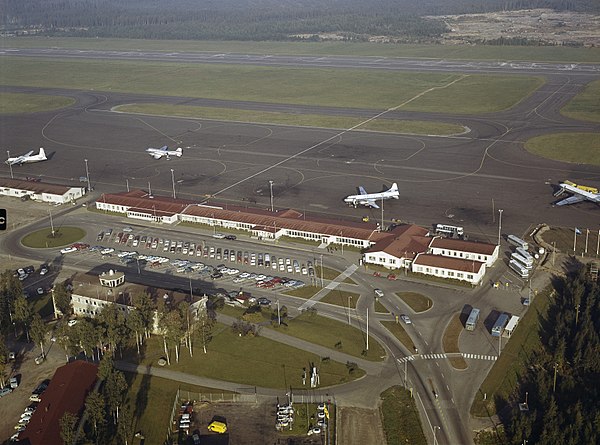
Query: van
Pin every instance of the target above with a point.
(217, 427)
(14, 383)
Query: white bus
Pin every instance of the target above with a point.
(449, 230)
(518, 268)
(472, 320)
(524, 262)
(518, 242)
(524, 253)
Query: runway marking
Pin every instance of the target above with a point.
(339, 134)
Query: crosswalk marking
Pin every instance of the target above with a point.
(439, 356)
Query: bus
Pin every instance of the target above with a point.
(518, 242)
(524, 253)
(511, 326)
(527, 264)
(449, 230)
(499, 325)
(471, 323)
(519, 268)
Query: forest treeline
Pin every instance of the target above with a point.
(561, 385)
(399, 20)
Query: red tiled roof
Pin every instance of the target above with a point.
(36, 187)
(67, 392)
(140, 200)
(464, 246)
(445, 262)
(404, 241)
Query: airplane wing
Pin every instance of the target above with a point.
(157, 155)
(26, 154)
(371, 203)
(362, 190)
(570, 200)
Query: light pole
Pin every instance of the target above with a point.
(173, 182)
(321, 270)
(87, 175)
(435, 428)
(51, 223)
(271, 188)
(349, 299)
(127, 181)
(278, 314)
(499, 225)
(10, 165)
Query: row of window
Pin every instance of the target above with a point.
(466, 255)
(442, 272)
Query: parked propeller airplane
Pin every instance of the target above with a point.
(578, 194)
(368, 199)
(27, 158)
(158, 153)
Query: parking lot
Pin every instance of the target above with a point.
(218, 258)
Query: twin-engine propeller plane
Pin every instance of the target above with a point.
(369, 199)
(158, 153)
(27, 158)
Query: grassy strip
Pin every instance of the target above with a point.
(504, 376)
(584, 106)
(400, 333)
(450, 342)
(62, 236)
(400, 417)
(311, 120)
(11, 103)
(417, 302)
(254, 361)
(304, 292)
(451, 52)
(372, 89)
(341, 298)
(580, 148)
(151, 399)
(315, 329)
(380, 308)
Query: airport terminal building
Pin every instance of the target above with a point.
(408, 246)
(40, 191)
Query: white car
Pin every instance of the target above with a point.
(218, 236)
(405, 319)
(68, 250)
(72, 322)
(107, 251)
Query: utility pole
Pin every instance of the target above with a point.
(349, 298)
(51, 223)
(127, 182)
(10, 165)
(87, 175)
(555, 371)
(499, 225)
(321, 270)
(271, 188)
(367, 329)
(173, 182)
(278, 314)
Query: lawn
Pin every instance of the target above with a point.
(151, 399)
(401, 422)
(503, 378)
(380, 308)
(400, 333)
(564, 239)
(450, 342)
(584, 106)
(341, 298)
(578, 148)
(449, 52)
(310, 120)
(44, 239)
(371, 89)
(417, 302)
(254, 361)
(12, 103)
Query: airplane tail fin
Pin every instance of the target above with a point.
(42, 153)
(179, 151)
(394, 187)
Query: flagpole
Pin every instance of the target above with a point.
(575, 241)
(598, 245)
(587, 234)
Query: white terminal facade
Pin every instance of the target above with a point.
(40, 191)
(404, 247)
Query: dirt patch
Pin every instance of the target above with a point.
(247, 424)
(360, 426)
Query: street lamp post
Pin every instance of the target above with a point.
(321, 270)
(278, 314)
(349, 299)
(499, 225)
(173, 182)
(10, 165)
(435, 428)
(271, 188)
(87, 175)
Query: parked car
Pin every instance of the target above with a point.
(13, 382)
(218, 236)
(5, 391)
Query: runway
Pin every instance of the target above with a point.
(463, 179)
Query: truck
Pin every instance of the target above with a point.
(500, 324)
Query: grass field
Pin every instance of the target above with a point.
(400, 333)
(13, 103)
(400, 418)
(584, 106)
(319, 330)
(579, 148)
(309, 120)
(371, 89)
(254, 361)
(380, 308)
(417, 302)
(450, 342)
(565, 238)
(151, 399)
(341, 298)
(460, 52)
(62, 236)
(504, 376)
